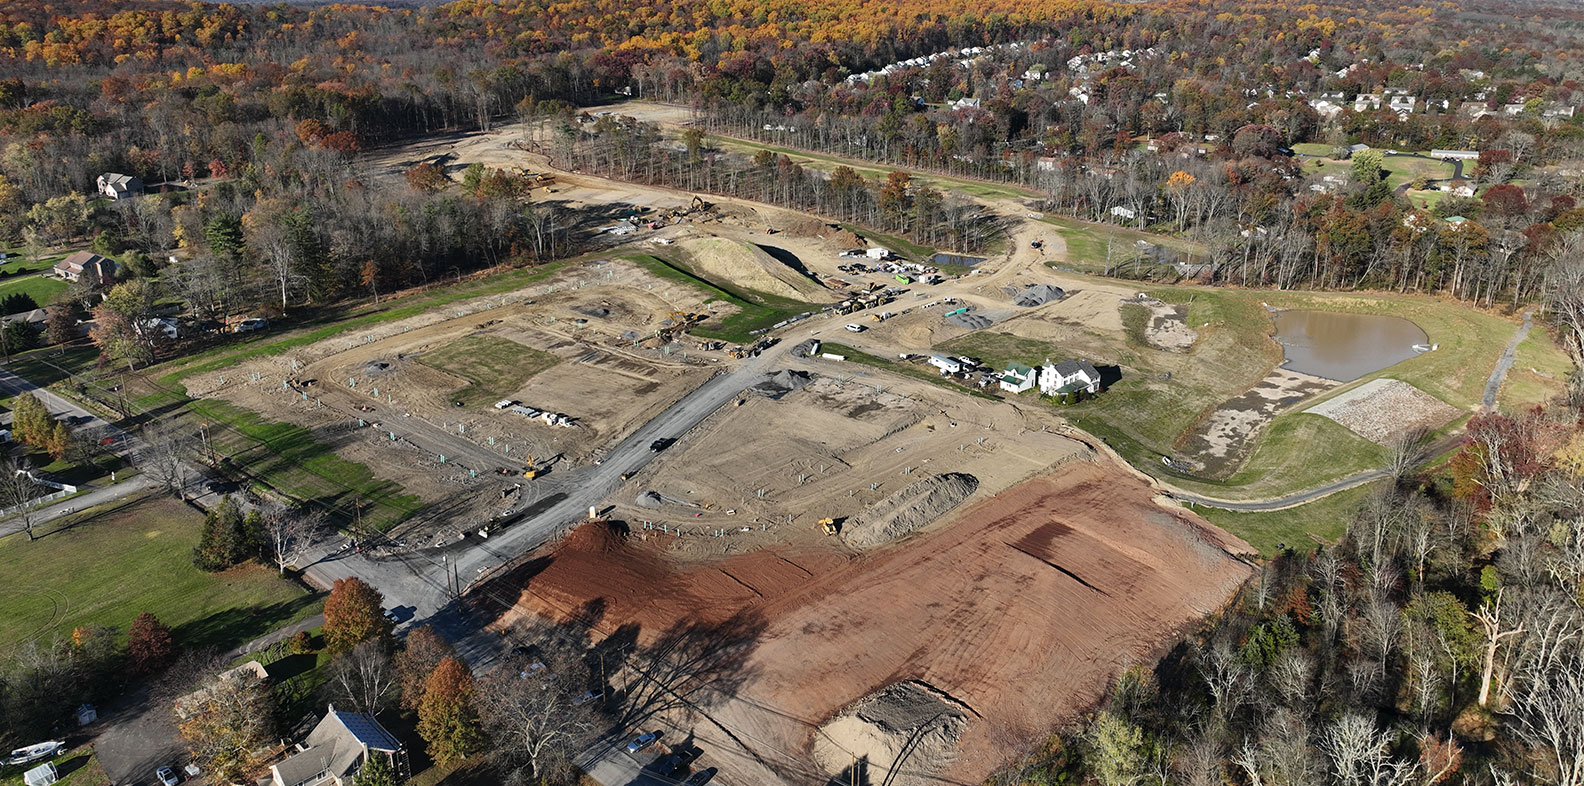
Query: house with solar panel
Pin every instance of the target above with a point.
(337, 749)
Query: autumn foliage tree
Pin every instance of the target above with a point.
(354, 613)
(149, 645)
(422, 651)
(447, 719)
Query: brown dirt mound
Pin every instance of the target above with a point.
(903, 735)
(747, 265)
(909, 510)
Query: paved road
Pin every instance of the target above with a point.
(1505, 363)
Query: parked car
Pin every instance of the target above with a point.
(855, 328)
(166, 776)
(701, 777)
(250, 325)
(665, 765)
(643, 741)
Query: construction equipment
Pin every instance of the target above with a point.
(829, 525)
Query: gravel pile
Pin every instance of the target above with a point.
(970, 321)
(781, 383)
(909, 510)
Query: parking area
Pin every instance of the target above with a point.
(658, 757)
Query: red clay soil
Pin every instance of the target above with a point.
(1023, 608)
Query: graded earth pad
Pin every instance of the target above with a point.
(1382, 410)
(902, 735)
(1021, 609)
(748, 266)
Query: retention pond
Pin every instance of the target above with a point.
(1344, 347)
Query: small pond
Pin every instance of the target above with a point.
(1345, 347)
(956, 259)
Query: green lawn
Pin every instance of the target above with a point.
(1326, 518)
(494, 367)
(47, 366)
(1539, 373)
(1403, 169)
(40, 288)
(20, 263)
(1313, 148)
(755, 310)
(107, 565)
(1426, 200)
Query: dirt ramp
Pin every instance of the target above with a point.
(748, 266)
(903, 735)
(909, 510)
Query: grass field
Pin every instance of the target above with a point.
(1313, 148)
(1401, 170)
(40, 288)
(1539, 373)
(107, 565)
(20, 263)
(1326, 518)
(494, 367)
(755, 310)
(1087, 243)
(288, 459)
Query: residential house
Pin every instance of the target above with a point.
(965, 103)
(1327, 105)
(86, 264)
(1068, 376)
(116, 186)
(1018, 378)
(1367, 102)
(336, 750)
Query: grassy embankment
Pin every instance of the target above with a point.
(755, 310)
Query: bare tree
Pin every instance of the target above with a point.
(1546, 696)
(541, 717)
(1405, 452)
(365, 678)
(18, 490)
(164, 458)
(1489, 616)
(288, 532)
(1360, 754)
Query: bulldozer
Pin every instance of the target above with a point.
(829, 525)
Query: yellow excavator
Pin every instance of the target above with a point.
(530, 473)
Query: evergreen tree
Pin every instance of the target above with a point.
(224, 541)
(377, 772)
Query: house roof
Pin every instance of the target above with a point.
(1019, 369)
(117, 179)
(1068, 368)
(335, 745)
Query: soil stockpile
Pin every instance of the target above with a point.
(903, 735)
(909, 510)
(969, 321)
(1038, 295)
(747, 266)
(781, 383)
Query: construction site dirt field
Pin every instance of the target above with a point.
(586, 337)
(1075, 573)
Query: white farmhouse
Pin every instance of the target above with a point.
(1068, 376)
(1018, 378)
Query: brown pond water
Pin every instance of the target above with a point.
(1344, 347)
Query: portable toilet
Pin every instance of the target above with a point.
(42, 775)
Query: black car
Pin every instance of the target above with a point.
(665, 765)
(700, 778)
(661, 444)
